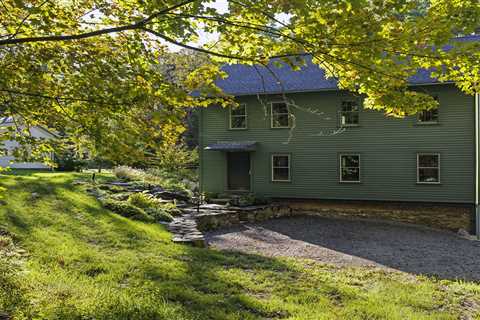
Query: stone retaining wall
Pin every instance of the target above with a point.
(449, 217)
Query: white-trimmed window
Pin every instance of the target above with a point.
(428, 168)
(238, 117)
(281, 168)
(280, 115)
(349, 168)
(350, 113)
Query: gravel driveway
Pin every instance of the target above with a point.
(357, 243)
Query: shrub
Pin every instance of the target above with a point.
(122, 196)
(143, 200)
(159, 214)
(127, 210)
(128, 173)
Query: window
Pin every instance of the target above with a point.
(280, 115)
(428, 116)
(349, 168)
(238, 117)
(281, 167)
(428, 168)
(349, 113)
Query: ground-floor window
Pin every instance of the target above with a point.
(281, 167)
(428, 168)
(349, 168)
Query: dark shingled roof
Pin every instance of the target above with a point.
(251, 80)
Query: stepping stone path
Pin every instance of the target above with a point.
(187, 228)
(185, 231)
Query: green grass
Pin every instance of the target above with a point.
(85, 262)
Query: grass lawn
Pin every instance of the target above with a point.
(84, 262)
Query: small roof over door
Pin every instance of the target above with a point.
(232, 146)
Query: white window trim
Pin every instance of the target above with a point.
(271, 115)
(341, 112)
(245, 116)
(438, 168)
(359, 167)
(289, 167)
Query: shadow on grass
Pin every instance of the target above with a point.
(161, 280)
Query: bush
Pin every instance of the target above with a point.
(143, 200)
(160, 214)
(127, 210)
(181, 181)
(128, 173)
(69, 161)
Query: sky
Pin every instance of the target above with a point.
(222, 7)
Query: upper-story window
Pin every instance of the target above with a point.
(280, 115)
(238, 117)
(350, 113)
(428, 116)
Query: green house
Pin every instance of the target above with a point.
(296, 136)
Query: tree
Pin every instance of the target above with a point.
(97, 70)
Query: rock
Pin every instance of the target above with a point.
(34, 195)
(463, 233)
(223, 201)
(190, 184)
(466, 235)
(172, 195)
(120, 184)
(4, 316)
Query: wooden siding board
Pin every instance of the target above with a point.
(388, 147)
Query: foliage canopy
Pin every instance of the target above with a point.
(100, 72)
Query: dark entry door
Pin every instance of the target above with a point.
(238, 174)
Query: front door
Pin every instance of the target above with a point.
(238, 172)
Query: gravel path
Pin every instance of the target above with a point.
(357, 243)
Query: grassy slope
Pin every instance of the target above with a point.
(85, 262)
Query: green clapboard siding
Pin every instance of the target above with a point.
(388, 148)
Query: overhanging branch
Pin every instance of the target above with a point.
(134, 26)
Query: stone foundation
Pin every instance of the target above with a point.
(448, 217)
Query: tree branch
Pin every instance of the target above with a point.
(134, 26)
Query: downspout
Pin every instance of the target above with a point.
(477, 160)
(200, 152)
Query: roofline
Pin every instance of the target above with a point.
(329, 89)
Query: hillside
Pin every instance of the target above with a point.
(62, 256)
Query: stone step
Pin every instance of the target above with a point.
(220, 200)
(196, 241)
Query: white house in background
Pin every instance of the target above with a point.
(9, 160)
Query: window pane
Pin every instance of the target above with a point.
(428, 116)
(281, 174)
(281, 120)
(428, 175)
(280, 161)
(349, 106)
(350, 174)
(239, 122)
(350, 161)
(279, 108)
(428, 160)
(350, 118)
(239, 111)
